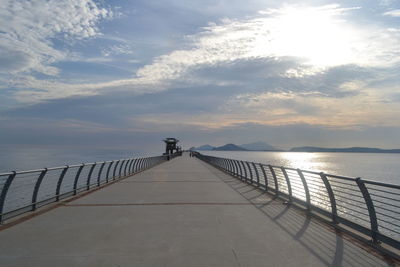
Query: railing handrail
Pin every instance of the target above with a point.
(340, 199)
(63, 166)
(122, 168)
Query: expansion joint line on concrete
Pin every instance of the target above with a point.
(157, 204)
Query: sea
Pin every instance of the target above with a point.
(22, 158)
(383, 167)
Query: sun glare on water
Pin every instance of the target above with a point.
(303, 160)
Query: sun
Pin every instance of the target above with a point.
(319, 35)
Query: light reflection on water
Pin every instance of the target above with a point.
(304, 161)
(372, 166)
(349, 200)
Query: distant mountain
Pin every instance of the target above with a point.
(348, 149)
(258, 146)
(205, 148)
(229, 147)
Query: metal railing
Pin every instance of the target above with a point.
(25, 191)
(372, 208)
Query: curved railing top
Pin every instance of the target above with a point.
(23, 191)
(370, 207)
(62, 167)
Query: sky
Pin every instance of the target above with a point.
(126, 74)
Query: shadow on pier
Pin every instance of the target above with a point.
(331, 246)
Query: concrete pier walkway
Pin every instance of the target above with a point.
(180, 213)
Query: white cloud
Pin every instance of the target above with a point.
(317, 37)
(121, 49)
(27, 29)
(393, 13)
(313, 108)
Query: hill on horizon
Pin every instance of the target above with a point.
(205, 147)
(229, 147)
(347, 149)
(258, 146)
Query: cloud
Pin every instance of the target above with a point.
(28, 30)
(392, 13)
(303, 41)
(120, 49)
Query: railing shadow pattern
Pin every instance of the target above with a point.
(327, 245)
(370, 207)
(25, 191)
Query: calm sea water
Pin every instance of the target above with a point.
(28, 158)
(372, 166)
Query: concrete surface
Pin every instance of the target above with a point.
(180, 213)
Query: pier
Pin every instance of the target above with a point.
(183, 212)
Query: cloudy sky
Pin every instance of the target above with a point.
(129, 73)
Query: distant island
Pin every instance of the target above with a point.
(348, 149)
(229, 147)
(262, 146)
(256, 146)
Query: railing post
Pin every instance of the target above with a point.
(222, 164)
(4, 191)
(89, 176)
(227, 165)
(108, 171)
(271, 169)
(78, 173)
(371, 209)
(251, 173)
(130, 167)
(36, 189)
(134, 165)
(257, 174)
(244, 169)
(331, 197)
(138, 165)
(120, 168)
(115, 169)
(148, 163)
(231, 167)
(126, 166)
(240, 170)
(265, 177)
(59, 182)
(237, 169)
(307, 192)
(100, 171)
(289, 186)
(142, 163)
(145, 163)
